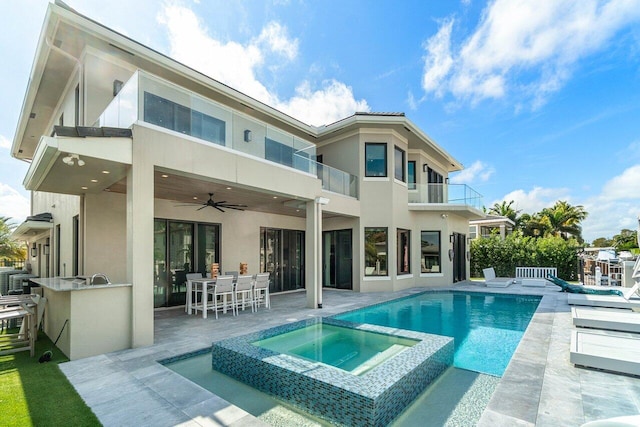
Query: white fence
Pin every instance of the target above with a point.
(535, 272)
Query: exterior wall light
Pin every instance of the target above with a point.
(34, 251)
(247, 135)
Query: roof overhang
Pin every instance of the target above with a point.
(31, 230)
(106, 162)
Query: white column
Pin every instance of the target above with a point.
(313, 252)
(140, 211)
(503, 231)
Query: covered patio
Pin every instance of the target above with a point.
(130, 387)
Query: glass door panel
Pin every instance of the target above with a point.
(180, 260)
(207, 244)
(160, 278)
(337, 259)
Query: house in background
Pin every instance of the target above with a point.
(138, 158)
(489, 224)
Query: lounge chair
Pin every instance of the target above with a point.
(611, 351)
(581, 289)
(606, 318)
(623, 298)
(624, 421)
(491, 281)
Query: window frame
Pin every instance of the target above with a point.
(397, 151)
(377, 266)
(385, 160)
(437, 257)
(400, 254)
(412, 179)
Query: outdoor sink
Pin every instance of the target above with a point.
(96, 279)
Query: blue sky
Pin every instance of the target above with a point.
(539, 100)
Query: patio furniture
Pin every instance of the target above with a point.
(611, 351)
(223, 296)
(626, 293)
(532, 273)
(610, 301)
(606, 318)
(261, 291)
(25, 338)
(491, 281)
(232, 273)
(244, 293)
(191, 291)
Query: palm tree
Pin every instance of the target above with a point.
(564, 219)
(505, 209)
(9, 248)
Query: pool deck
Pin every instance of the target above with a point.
(539, 388)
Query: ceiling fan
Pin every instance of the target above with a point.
(218, 205)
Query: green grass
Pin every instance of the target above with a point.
(38, 394)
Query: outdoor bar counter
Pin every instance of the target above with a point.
(99, 316)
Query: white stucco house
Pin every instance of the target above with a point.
(137, 158)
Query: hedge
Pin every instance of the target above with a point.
(520, 251)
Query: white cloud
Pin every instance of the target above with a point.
(4, 142)
(13, 204)
(536, 199)
(478, 171)
(237, 65)
(536, 43)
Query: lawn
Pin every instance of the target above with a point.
(38, 394)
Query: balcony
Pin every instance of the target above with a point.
(448, 194)
(147, 98)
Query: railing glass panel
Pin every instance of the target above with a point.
(455, 194)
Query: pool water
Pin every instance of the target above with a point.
(352, 350)
(486, 328)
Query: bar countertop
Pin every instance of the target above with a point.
(72, 284)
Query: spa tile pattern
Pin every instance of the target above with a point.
(371, 399)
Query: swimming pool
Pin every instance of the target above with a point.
(486, 328)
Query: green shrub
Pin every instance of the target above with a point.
(524, 251)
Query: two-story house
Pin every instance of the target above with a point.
(151, 170)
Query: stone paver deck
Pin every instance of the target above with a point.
(540, 386)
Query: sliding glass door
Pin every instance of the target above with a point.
(180, 248)
(282, 255)
(337, 259)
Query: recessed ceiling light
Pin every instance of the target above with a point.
(275, 197)
(94, 180)
(106, 172)
(228, 188)
(84, 188)
(297, 210)
(195, 198)
(164, 176)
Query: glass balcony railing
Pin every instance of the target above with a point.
(153, 100)
(454, 194)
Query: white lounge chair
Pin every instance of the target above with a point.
(606, 318)
(491, 281)
(628, 299)
(624, 421)
(611, 351)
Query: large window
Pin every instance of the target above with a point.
(375, 251)
(167, 114)
(375, 155)
(399, 162)
(436, 189)
(430, 252)
(404, 250)
(411, 174)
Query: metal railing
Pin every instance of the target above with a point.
(454, 194)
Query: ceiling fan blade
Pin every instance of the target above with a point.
(221, 202)
(200, 208)
(231, 207)
(219, 209)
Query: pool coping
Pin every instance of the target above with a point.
(131, 387)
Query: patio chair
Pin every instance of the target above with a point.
(244, 293)
(232, 273)
(222, 296)
(626, 293)
(491, 281)
(191, 290)
(26, 337)
(261, 291)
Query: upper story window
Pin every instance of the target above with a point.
(436, 190)
(375, 154)
(411, 174)
(167, 114)
(399, 162)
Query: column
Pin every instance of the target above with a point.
(313, 252)
(140, 212)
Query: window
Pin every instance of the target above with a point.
(77, 106)
(436, 187)
(167, 114)
(404, 250)
(430, 252)
(375, 251)
(473, 231)
(399, 169)
(411, 174)
(375, 155)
